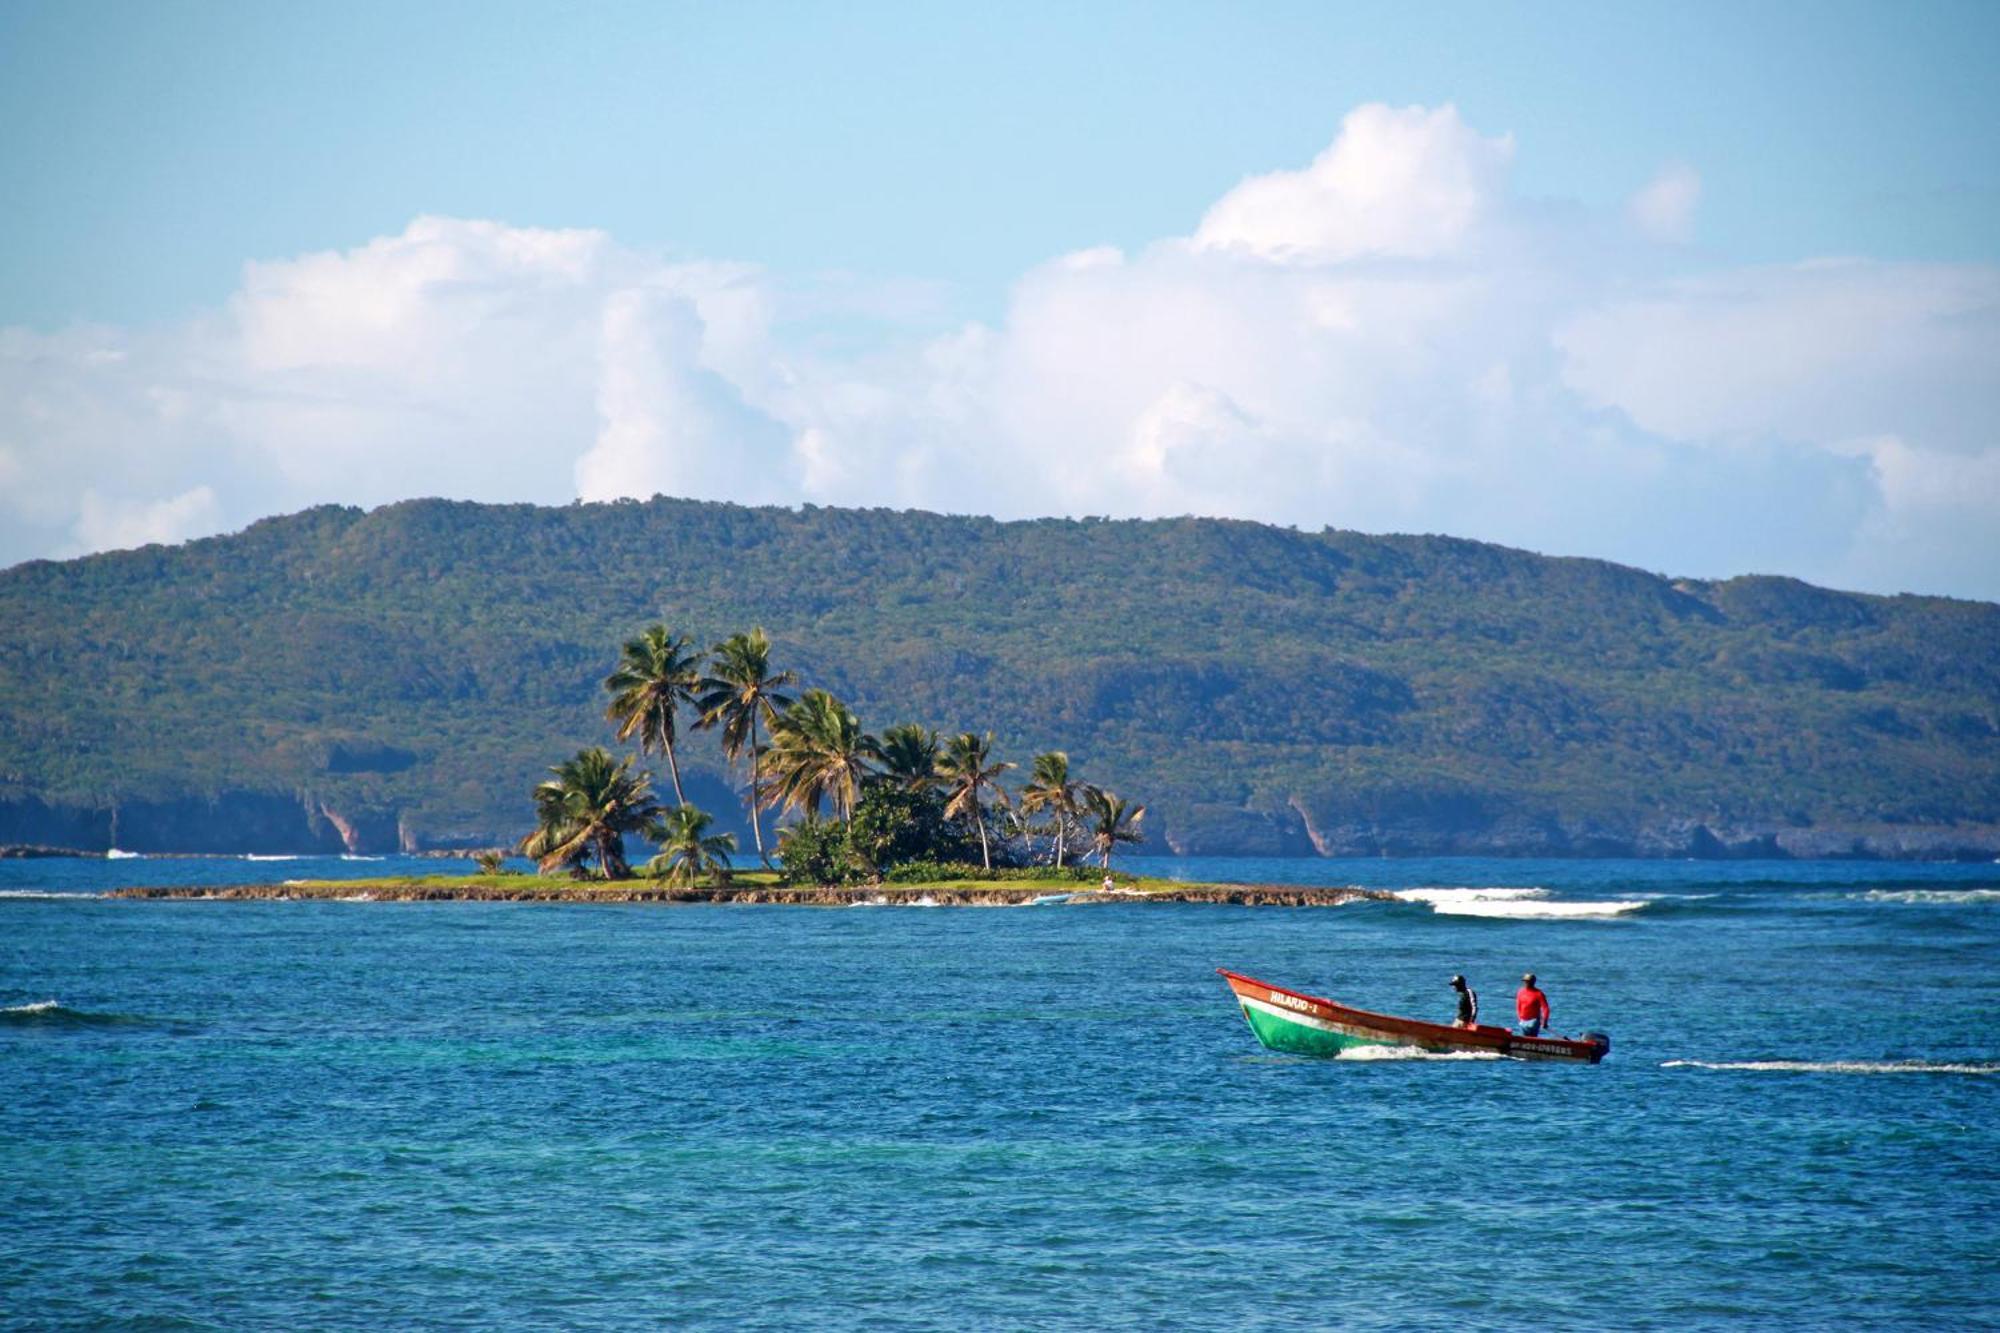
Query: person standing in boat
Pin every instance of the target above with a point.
(1468, 1004)
(1531, 1006)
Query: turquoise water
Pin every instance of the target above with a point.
(261, 1114)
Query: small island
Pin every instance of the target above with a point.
(910, 809)
(761, 888)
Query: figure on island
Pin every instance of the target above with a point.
(1468, 1004)
(1109, 884)
(1531, 1006)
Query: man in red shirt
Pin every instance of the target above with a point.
(1531, 1007)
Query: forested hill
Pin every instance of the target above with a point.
(403, 676)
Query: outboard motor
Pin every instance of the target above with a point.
(1601, 1040)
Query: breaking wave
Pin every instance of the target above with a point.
(1530, 903)
(115, 855)
(259, 856)
(44, 893)
(55, 1014)
(1939, 896)
(1838, 1066)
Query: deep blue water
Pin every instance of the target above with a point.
(261, 1114)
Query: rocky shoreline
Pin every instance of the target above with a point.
(867, 895)
(1300, 829)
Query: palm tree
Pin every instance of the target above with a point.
(586, 809)
(1110, 820)
(968, 769)
(1049, 788)
(656, 674)
(818, 750)
(687, 849)
(910, 756)
(740, 690)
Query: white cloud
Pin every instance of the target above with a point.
(1664, 208)
(109, 523)
(1932, 525)
(670, 426)
(1385, 339)
(459, 358)
(1407, 181)
(1825, 351)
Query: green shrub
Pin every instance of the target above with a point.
(893, 826)
(816, 852)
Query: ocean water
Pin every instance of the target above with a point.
(357, 1115)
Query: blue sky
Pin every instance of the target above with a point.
(885, 183)
(151, 149)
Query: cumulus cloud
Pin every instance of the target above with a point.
(460, 358)
(1387, 338)
(670, 426)
(1396, 181)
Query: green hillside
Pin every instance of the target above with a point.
(404, 675)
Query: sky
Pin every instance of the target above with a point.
(1708, 289)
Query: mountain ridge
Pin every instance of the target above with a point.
(343, 679)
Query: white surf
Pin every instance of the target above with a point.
(1517, 903)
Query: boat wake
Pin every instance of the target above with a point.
(1838, 1066)
(1519, 904)
(1376, 1053)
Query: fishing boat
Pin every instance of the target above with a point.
(1300, 1024)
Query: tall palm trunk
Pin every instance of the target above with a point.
(1062, 830)
(756, 796)
(985, 858)
(674, 769)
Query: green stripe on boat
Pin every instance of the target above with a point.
(1299, 1034)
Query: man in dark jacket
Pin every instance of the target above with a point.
(1468, 1004)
